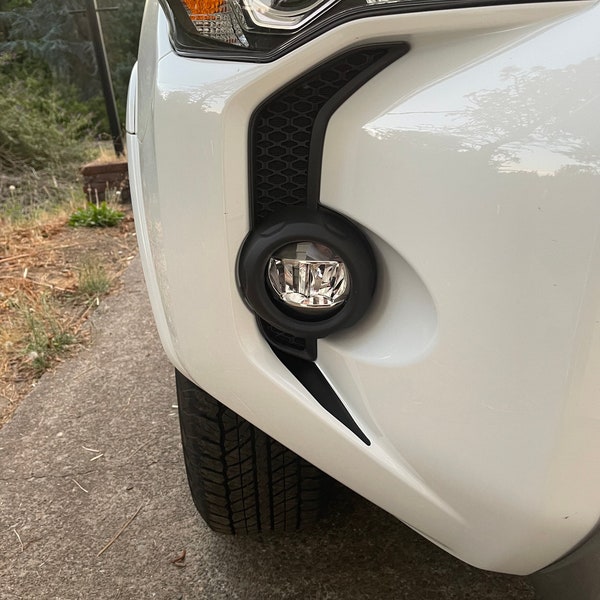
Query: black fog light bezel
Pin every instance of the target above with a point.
(296, 225)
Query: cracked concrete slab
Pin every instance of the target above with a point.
(94, 450)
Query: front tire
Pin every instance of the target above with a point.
(243, 481)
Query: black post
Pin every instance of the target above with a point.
(107, 87)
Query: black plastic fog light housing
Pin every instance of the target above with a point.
(307, 272)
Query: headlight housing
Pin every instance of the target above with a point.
(262, 30)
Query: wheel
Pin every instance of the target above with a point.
(243, 481)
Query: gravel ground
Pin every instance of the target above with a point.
(94, 451)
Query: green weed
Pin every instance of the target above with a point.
(96, 216)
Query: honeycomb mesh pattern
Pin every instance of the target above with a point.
(281, 134)
(282, 130)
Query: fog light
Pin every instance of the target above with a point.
(309, 277)
(307, 273)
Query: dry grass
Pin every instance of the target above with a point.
(105, 154)
(51, 278)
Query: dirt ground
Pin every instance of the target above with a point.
(52, 277)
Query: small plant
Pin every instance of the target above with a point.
(96, 216)
(93, 279)
(47, 337)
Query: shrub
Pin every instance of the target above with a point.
(39, 126)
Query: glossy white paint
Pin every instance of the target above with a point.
(484, 175)
(474, 373)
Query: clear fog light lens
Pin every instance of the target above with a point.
(309, 277)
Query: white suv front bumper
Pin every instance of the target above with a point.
(475, 373)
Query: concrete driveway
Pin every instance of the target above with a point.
(93, 452)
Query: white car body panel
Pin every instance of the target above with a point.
(474, 373)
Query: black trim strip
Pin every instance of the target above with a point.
(317, 142)
(311, 377)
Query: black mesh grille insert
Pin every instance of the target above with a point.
(287, 134)
(282, 130)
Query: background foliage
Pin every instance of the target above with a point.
(51, 101)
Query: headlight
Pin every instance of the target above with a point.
(285, 14)
(263, 29)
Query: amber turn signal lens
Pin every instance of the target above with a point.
(201, 10)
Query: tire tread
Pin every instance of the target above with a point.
(243, 481)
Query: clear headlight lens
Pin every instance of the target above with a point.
(285, 14)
